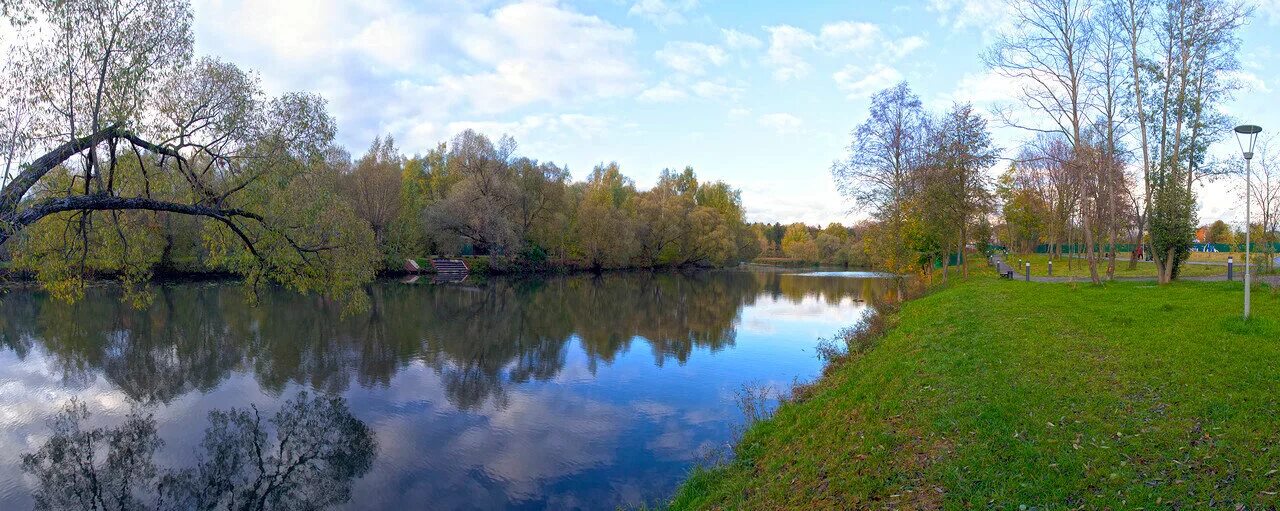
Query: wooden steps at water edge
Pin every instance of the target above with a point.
(445, 266)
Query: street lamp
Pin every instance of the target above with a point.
(1246, 136)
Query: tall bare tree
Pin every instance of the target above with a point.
(886, 149)
(1048, 55)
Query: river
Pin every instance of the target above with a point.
(573, 392)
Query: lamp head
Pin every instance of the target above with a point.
(1246, 136)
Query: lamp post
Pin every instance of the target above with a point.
(1246, 136)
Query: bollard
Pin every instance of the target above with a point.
(1231, 262)
(1028, 272)
(1051, 267)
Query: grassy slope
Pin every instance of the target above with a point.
(996, 394)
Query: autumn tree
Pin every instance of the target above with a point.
(960, 154)
(374, 186)
(877, 175)
(129, 127)
(798, 244)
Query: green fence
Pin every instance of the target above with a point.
(1079, 248)
(953, 259)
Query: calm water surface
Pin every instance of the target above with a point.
(570, 392)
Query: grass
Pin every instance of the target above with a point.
(998, 394)
(1216, 257)
(1080, 268)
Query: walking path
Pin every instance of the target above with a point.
(997, 261)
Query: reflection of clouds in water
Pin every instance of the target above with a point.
(763, 317)
(492, 456)
(35, 388)
(31, 392)
(675, 442)
(702, 416)
(541, 435)
(653, 409)
(758, 325)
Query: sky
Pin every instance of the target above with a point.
(762, 95)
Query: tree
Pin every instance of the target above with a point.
(1218, 232)
(1265, 183)
(798, 244)
(374, 186)
(111, 82)
(1047, 54)
(961, 154)
(603, 230)
(478, 209)
(877, 174)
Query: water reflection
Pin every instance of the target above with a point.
(484, 393)
(304, 457)
(480, 338)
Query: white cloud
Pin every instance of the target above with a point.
(859, 82)
(782, 123)
(663, 13)
(789, 46)
(740, 40)
(691, 58)
(988, 15)
(1269, 8)
(715, 90)
(579, 126)
(849, 35)
(523, 46)
(663, 92)
(983, 88)
(818, 205)
(739, 112)
(786, 43)
(903, 47)
(395, 66)
(668, 92)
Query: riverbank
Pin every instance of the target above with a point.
(480, 267)
(991, 393)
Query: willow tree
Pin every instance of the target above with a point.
(122, 128)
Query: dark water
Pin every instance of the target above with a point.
(570, 392)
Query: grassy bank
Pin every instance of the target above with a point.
(996, 394)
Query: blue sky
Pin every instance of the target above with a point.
(760, 94)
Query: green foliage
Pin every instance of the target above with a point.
(798, 244)
(1173, 222)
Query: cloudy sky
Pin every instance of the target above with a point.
(760, 94)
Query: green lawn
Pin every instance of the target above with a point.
(1080, 268)
(997, 394)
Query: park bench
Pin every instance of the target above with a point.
(1005, 270)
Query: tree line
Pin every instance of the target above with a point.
(474, 196)
(835, 244)
(1122, 100)
(124, 155)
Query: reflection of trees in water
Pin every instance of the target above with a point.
(304, 457)
(831, 290)
(480, 339)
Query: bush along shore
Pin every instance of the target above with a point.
(1002, 394)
